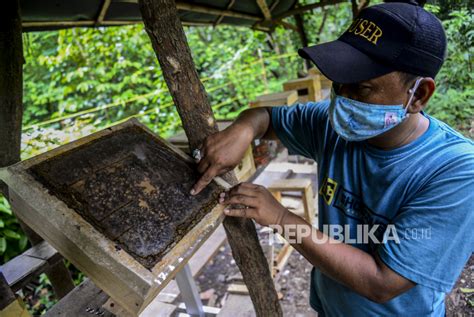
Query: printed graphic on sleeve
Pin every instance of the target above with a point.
(328, 189)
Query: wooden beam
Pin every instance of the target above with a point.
(186, 6)
(174, 55)
(11, 85)
(20, 270)
(287, 25)
(262, 4)
(308, 7)
(103, 11)
(219, 19)
(209, 10)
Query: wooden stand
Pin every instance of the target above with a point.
(308, 88)
(326, 83)
(285, 98)
(291, 185)
(296, 185)
(114, 270)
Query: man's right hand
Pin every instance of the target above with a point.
(221, 152)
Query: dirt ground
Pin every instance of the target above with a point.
(293, 285)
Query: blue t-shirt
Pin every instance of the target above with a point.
(424, 189)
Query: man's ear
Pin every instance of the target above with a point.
(422, 95)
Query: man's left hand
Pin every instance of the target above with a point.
(253, 201)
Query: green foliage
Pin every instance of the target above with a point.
(453, 101)
(12, 239)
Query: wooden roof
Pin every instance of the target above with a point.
(58, 14)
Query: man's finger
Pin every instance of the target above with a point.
(251, 186)
(241, 200)
(203, 165)
(240, 212)
(242, 190)
(205, 179)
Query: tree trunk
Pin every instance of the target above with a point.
(303, 36)
(169, 43)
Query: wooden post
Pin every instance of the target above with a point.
(6, 294)
(11, 114)
(11, 85)
(170, 45)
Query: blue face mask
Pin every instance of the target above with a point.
(357, 121)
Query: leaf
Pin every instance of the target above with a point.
(467, 290)
(3, 245)
(23, 242)
(2, 224)
(11, 234)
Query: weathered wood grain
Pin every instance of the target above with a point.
(168, 39)
(132, 188)
(109, 265)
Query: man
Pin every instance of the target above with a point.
(382, 162)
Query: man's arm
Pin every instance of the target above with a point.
(223, 151)
(362, 272)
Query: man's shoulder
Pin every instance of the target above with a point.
(449, 141)
(451, 150)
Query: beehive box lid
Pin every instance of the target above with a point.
(124, 193)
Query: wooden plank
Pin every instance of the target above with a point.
(237, 306)
(155, 309)
(325, 82)
(309, 88)
(238, 289)
(17, 308)
(84, 301)
(283, 257)
(158, 307)
(292, 184)
(20, 270)
(206, 252)
(285, 98)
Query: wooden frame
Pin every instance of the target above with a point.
(285, 98)
(304, 186)
(309, 88)
(326, 83)
(114, 270)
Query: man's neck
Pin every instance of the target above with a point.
(405, 133)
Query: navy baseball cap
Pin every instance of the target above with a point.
(394, 36)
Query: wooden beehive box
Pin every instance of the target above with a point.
(243, 171)
(326, 83)
(117, 205)
(285, 98)
(308, 88)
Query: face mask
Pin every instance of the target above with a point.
(357, 121)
